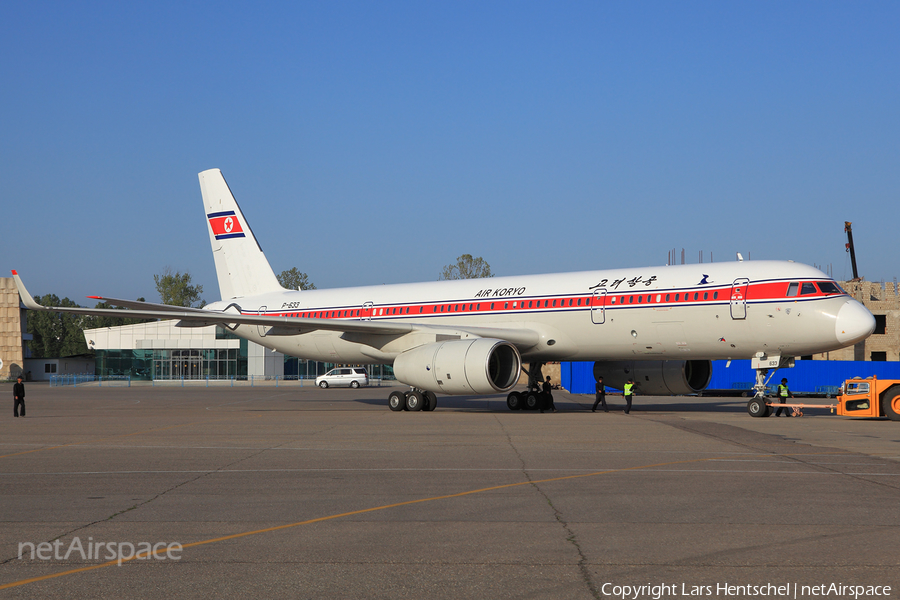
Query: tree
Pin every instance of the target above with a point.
(176, 289)
(295, 280)
(467, 267)
(55, 335)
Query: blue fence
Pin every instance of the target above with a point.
(76, 380)
(809, 376)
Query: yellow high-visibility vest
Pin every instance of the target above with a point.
(782, 390)
(628, 387)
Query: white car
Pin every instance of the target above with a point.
(344, 376)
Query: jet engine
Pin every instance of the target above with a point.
(657, 377)
(479, 366)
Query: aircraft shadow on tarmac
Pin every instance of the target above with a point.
(584, 403)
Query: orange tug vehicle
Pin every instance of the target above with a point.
(870, 397)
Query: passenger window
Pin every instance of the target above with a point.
(793, 289)
(640, 299)
(705, 295)
(715, 295)
(696, 295)
(613, 300)
(667, 297)
(808, 288)
(659, 297)
(630, 299)
(570, 302)
(554, 304)
(677, 297)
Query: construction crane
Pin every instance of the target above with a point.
(851, 250)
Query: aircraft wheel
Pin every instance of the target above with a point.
(414, 401)
(323, 384)
(890, 403)
(430, 401)
(514, 401)
(397, 401)
(354, 384)
(757, 407)
(533, 401)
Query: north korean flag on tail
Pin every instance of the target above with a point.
(225, 225)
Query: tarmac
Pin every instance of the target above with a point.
(297, 492)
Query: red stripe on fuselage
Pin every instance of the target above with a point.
(755, 293)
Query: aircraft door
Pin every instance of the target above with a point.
(598, 306)
(262, 329)
(367, 310)
(739, 298)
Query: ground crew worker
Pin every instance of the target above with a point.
(783, 394)
(548, 396)
(601, 396)
(18, 396)
(629, 392)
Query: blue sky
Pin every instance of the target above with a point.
(374, 142)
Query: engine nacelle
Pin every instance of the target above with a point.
(479, 366)
(657, 377)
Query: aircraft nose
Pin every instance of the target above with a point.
(854, 323)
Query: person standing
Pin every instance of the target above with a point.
(18, 396)
(629, 392)
(783, 394)
(601, 396)
(548, 395)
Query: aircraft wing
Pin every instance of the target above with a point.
(198, 317)
(139, 305)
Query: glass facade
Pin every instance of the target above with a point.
(296, 368)
(222, 363)
(212, 363)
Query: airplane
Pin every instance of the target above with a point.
(660, 326)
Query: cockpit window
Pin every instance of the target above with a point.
(829, 287)
(808, 288)
(793, 289)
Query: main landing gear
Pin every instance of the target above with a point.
(414, 400)
(533, 398)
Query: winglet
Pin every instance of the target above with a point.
(27, 300)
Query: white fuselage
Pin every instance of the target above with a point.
(684, 312)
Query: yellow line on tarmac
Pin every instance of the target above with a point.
(112, 437)
(373, 509)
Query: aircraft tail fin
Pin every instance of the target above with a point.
(241, 265)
